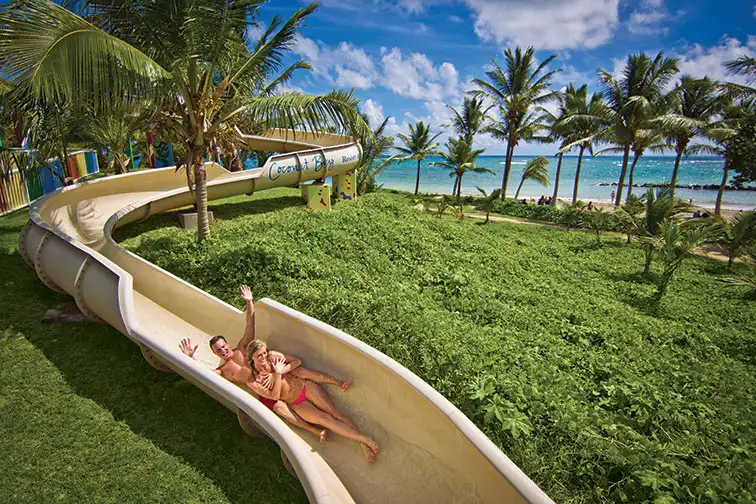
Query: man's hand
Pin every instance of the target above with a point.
(186, 347)
(246, 293)
(279, 365)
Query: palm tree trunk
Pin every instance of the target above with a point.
(556, 182)
(200, 183)
(720, 193)
(517, 194)
(456, 183)
(621, 183)
(459, 191)
(674, 171)
(507, 166)
(417, 181)
(577, 175)
(630, 180)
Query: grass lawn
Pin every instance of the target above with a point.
(551, 344)
(84, 419)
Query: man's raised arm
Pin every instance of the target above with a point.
(249, 328)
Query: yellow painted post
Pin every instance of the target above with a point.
(345, 186)
(319, 196)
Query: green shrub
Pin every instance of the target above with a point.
(553, 347)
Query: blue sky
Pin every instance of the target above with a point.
(408, 59)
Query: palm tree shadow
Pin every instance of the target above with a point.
(100, 364)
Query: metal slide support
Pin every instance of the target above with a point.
(38, 265)
(79, 296)
(22, 248)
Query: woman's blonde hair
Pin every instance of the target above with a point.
(252, 348)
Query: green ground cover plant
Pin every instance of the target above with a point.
(555, 347)
(84, 419)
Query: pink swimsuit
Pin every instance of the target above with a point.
(269, 402)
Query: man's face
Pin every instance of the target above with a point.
(260, 359)
(222, 350)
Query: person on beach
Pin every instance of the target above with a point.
(272, 378)
(236, 369)
(590, 206)
(613, 195)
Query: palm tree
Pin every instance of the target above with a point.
(459, 159)
(738, 234)
(597, 221)
(111, 133)
(675, 243)
(743, 65)
(522, 84)
(418, 145)
(633, 101)
(535, 170)
(556, 133)
(724, 135)
(693, 103)
(487, 202)
(660, 206)
(188, 58)
(581, 133)
(471, 119)
(645, 139)
(374, 148)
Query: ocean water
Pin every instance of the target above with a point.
(594, 171)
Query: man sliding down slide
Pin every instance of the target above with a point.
(237, 370)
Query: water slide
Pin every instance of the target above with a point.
(430, 451)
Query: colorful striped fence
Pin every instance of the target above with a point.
(17, 190)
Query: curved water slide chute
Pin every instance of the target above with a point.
(430, 452)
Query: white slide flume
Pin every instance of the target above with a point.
(430, 451)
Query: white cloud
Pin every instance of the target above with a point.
(457, 19)
(570, 74)
(416, 77)
(374, 111)
(699, 61)
(547, 24)
(651, 18)
(351, 65)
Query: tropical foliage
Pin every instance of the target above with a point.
(417, 146)
(375, 158)
(517, 90)
(192, 60)
(535, 170)
(458, 159)
(554, 347)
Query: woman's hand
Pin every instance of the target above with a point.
(246, 293)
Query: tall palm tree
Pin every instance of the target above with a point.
(471, 119)
(418, 145)
(645, 139)
(692, 105)
(535, 170)
(556, 132)
(518, 87)
(724, 137)
(743, 65)
(375, 148)
(633, 100)
(581, 134)
(738, 234)
(192, 59)
(459, 158)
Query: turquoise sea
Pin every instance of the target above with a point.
(594, 171)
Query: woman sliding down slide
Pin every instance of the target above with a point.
(300, 390)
